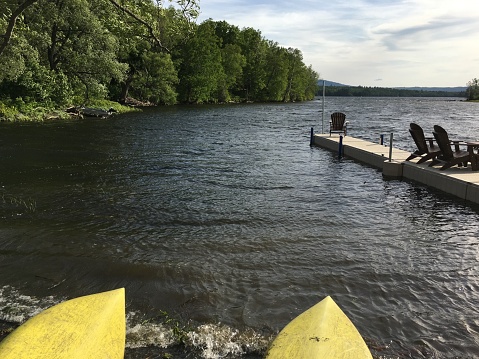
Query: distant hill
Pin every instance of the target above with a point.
(415, 88)
(331, 83)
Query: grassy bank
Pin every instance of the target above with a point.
(19, 111)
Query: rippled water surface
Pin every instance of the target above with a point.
(226, 219)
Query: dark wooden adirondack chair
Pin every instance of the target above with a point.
(448, 156)
(338, 123)
(425, 146)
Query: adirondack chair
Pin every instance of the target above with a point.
(338, 123)
(449, 157)
(426, 149)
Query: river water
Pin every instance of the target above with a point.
(226, 220)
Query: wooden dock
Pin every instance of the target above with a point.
(461, 182)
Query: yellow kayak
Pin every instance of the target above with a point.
(87, 327)
(321, 332)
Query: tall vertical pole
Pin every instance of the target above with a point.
(390, 147)
(322, 120)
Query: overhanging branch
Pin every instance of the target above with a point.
(143, 22)
(11, 23)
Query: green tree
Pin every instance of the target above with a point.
(71, 51)
(232, 59)
(201, 69)
(254, 48)
(9, 13)
(90, 44)
(293, 87)
(158, 80)
(15, 57)
(144, 48)
(311, 83)
(23, 75)
(472, 91)
(229, 34)
(15, 51)
(276, 73)
(233, 62)
(137, 39)
(149, 15)
(75, 42)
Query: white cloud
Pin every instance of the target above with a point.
(403, 42)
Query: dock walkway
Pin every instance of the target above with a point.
(461, 182)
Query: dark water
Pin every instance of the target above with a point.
(227, 220)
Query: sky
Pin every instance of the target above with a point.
(384, 43)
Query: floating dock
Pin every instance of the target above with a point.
(461, 182)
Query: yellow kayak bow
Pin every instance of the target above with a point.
(86, 327)
(321, 332)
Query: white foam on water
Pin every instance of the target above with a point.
(17, 308)
(207, 341)
(143, 335)
(147, 333)
(215, 341)
(218, 340)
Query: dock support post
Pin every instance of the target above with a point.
(340, 149)
(381, 140)
(390, 147)
(322, 114)
(311, 141)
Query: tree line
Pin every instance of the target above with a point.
(385, 92)
(70, 51)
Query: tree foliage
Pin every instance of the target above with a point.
(64, 51)
(10, 14)
(201, 70)
(472, 91)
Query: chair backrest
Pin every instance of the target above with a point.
(417, 134)
(443, 142)
(337, 120)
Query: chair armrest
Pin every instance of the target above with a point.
(456, 144)
(430, 140)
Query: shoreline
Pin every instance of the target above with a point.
(38, 113)
(33, 112)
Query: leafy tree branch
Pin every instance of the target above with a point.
(141, 21)
(11, 23)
